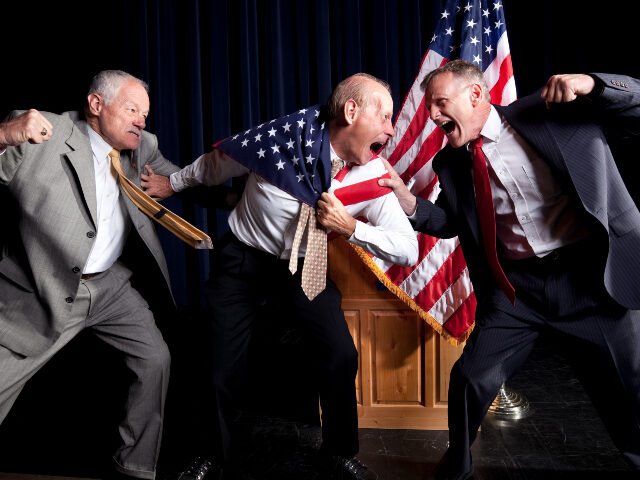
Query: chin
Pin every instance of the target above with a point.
(456, 142)
(132, 145)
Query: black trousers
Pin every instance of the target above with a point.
(563, 293)
(243, 279)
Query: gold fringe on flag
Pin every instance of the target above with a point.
(398, 292)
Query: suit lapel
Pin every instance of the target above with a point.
(555, 141)
(130, 168)
(533, 127)
(81, 159)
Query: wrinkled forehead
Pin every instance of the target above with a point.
(444, 85)
(132, 91)
(379, 99)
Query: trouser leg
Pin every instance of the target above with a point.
(233, 295)
(580, 306)
(502, 340)
(121, 317)
(494, 352)
(335, 361)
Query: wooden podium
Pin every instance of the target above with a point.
(403, 376)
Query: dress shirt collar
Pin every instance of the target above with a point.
(99, 146)
(491, 129)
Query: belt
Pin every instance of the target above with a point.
(560, 255)
(86, 276)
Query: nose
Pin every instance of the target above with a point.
(140, 122)
(388, 128)
(434, 113)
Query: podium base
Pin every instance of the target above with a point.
(509, 405)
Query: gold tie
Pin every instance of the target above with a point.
(314, 269)
(172, 222)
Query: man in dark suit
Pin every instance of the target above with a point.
(563, 251)
(73, 244)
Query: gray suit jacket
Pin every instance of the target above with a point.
(574, 139)
(49, 198)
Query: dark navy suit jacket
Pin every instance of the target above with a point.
(574, 138)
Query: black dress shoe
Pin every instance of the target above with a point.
(344, 468)
(199, 469)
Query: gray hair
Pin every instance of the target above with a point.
(108, 82)
(352, 88)
(461, 69)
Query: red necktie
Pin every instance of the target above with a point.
(484, 202)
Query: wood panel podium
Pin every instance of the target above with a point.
(403, 374)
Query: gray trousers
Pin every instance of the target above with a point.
(113, 310)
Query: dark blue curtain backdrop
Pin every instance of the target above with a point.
(218, 67)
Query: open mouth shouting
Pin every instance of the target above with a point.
(448, 126)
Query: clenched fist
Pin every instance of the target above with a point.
(332, 215)
(30, 126)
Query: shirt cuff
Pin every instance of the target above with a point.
(357, 233)
(176, 184)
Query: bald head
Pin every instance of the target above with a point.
(358, 88)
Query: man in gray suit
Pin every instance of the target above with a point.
(74, 244)
(567, 233)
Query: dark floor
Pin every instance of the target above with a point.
(53, 433)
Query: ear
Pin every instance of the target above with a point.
(476, 94)
(350, 111)
(95, 103)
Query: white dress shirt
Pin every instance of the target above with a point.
(266, 217)
(112, 214)
(534, 214)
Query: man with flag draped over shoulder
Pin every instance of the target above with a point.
(292, 163)
(550, 234)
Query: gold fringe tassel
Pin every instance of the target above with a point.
(393, 288)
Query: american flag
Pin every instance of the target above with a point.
(438, 287)
(292, 152)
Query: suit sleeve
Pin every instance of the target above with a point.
(620, 99)
(434, 219)
(154, 158)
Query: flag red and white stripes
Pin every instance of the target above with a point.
(438, 286)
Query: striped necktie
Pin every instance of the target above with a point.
(172, 222)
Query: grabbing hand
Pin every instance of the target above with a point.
(332, 215)
(567, 87)
(30, 126)
(405, 197)
(157, 187)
